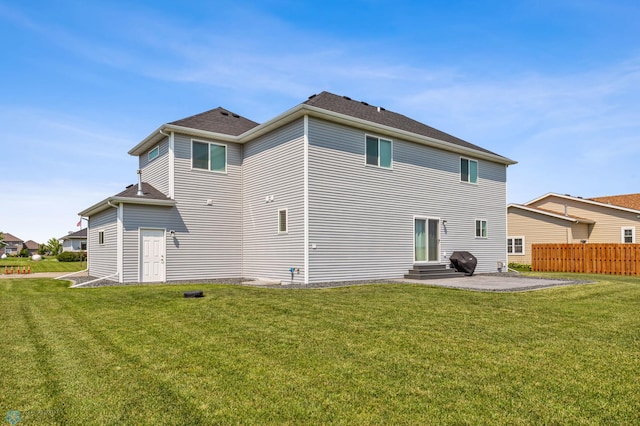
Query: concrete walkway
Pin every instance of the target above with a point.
(495, 282)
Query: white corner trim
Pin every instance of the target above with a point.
(120, 242)
(305, 161)
(172, 165)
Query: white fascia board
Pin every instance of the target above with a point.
(582, 200)
(104, 204)
(302, 109)
(156, 136)
(550, 214)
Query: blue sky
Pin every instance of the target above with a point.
(554, 85)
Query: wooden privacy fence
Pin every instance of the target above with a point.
(614, 259)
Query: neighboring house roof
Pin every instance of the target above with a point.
(630, 201)
(9, 238)
(217, 120)
(78, 235)
(545, 212)
(582, 200)
(151, 196)
(328, 106)
(364, 111)
(32, 245)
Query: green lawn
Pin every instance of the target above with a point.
(378, 354)
(49, 264)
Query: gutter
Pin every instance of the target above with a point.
(303, 109)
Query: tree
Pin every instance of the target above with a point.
(54, 246)
(42, 249)
(1, 239)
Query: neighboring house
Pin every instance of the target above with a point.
(555, 218)
(32, 246)
(75, 241)
(13, 245)
(333, 189)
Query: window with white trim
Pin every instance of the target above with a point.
(481, 228)
(515, 245)
(101, 237)
(629, 234)
(209, 156)
(468, 170)
(154, 153)
(283, 220)
(379, 152)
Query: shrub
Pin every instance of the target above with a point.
(71, 256)
(520, 267)
(23, 253)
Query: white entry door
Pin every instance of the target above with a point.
(152, 255)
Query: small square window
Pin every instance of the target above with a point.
(209, 156)
(101, 237)
(515, 245)
(468, 170)
(154, 153)
(481, 228)
(629, 235)
(379, 152)
(282, 221)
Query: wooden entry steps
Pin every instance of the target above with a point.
(431, 271)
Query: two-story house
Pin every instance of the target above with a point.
(564, 219)
(332, 189)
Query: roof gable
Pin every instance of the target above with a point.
(587, 201)
(218, 120)
(550, 213)
(9, 238)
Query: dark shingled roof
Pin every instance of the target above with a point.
(149, 192)
(364, 111)
(78, 234)
(8, 238)
(31, 245)
(217, 120)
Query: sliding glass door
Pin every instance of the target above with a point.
(426, 239)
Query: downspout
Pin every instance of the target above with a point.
(119, 239)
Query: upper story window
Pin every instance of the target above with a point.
(154, 153)
(515, 245)
(481, 228)
(379, 152)
(468, 170)
(629, 234)
(209, 156)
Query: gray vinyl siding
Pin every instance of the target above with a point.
(103, 257)
(156, 171)
(148, 217)
(274, 166)
(361, 217)
(208, 242)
